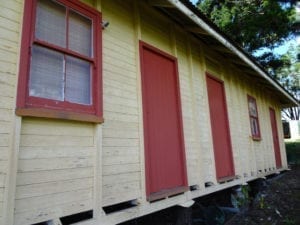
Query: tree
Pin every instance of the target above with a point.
(289, 77)
(254, 24)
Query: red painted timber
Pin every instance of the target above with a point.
(220, 127)
(275, 138)
(163, 131)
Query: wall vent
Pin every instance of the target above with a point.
(75, 218)
(120, 206)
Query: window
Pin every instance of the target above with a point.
(60, 66)
(253, 114)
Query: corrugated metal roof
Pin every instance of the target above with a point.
(186, 15)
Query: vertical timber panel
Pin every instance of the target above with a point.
(138, 36)
(121, 136)
(12, 174)
(10, 38)
(196, 169)
(97, 193)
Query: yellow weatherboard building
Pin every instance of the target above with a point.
(117, 109)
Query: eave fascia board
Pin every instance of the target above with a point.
(201, 23)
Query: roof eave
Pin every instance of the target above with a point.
(188, 10)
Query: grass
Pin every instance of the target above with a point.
(293, 151)
(288, 221)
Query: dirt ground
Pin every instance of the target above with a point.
(277, 204)
(274, 201)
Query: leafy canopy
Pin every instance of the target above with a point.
(253, 24)
(289, 77)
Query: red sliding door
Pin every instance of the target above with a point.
(220, 127)
(164, 144)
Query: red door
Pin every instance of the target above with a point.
(220, 128)
(275, 138)
(164, 146)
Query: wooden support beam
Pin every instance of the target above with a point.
(161, 3)
(196, 30)
(239, 62)
(222, 49)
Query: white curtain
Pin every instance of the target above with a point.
(78, 81)
(46, 74)
(80, 34)
(51, 23)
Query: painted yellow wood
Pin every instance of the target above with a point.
(115, 198)
(46, 176)
(1, 194)
(120, 130)
(53, 200)
(11, 172)
(56, 161)
(48, 152)
(120, 178)
(34, 126)
(48, 213)
(98, 170)
(9, 69)
(120, 168)
(2, 180)
(117, 133)
(184, 55)
(34, 190)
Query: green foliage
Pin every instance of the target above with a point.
(293, 151)
(253, 24)
(241, 198)
(261, 201)
(289, 76)
(289, 221)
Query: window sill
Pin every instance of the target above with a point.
(56, 114)
(167, 193)
(255, 138)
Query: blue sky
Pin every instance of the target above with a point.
(280, 50)
(193, 1)
(283, 48)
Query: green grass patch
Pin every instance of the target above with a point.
(293, 151)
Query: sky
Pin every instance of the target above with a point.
(193, 1)
(284, 48)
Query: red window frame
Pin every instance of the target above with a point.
(42, 107)
(253, 117)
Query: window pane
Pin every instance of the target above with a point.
(51, 22)
(252, 108)
(80, 34)
(254, 127)
(78, 81)
(46, 74)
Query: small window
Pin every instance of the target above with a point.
(60, 66)
(253, 116)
